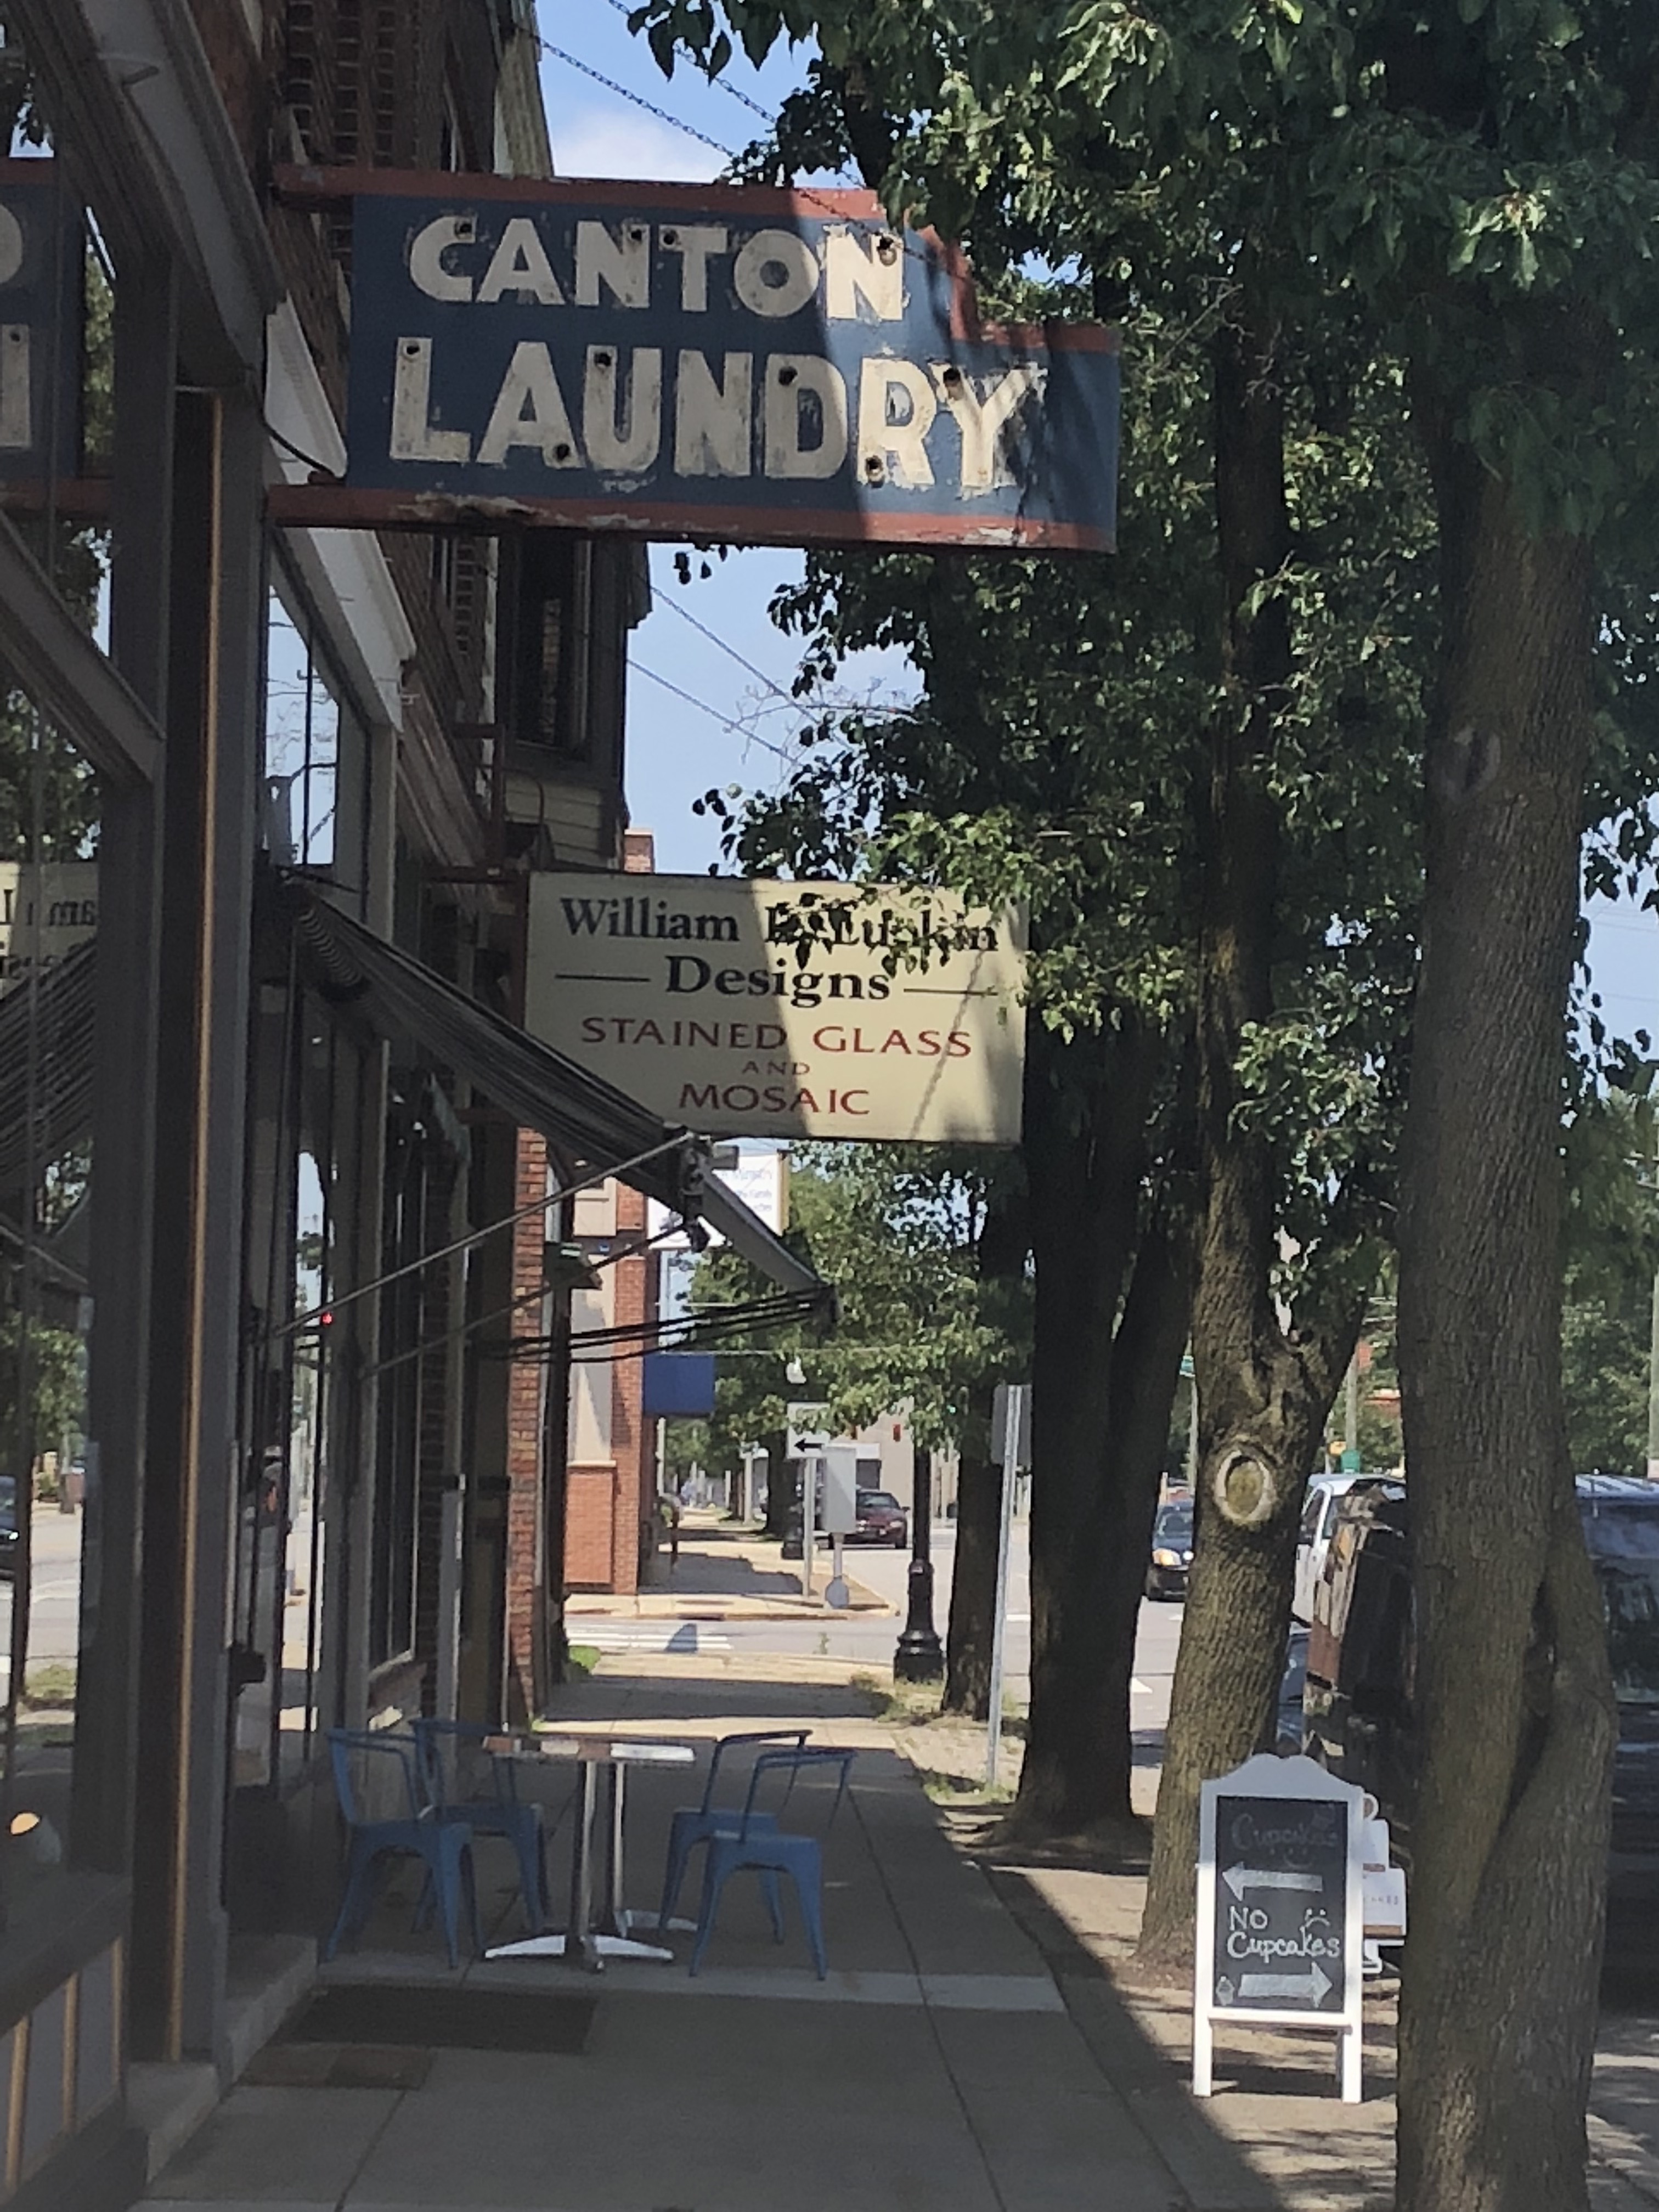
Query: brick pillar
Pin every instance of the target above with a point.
(632, 1438)
(527, 1603)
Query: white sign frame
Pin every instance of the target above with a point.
(1297, 1780)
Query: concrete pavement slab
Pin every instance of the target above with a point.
(278, 2146)
(1053, 2132)
(761, 2106)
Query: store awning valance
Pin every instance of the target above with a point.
(583, 1116)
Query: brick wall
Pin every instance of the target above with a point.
(589, 1521)
(631, 1438)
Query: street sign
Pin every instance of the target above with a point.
(804, 1432)
(1015, 1437)
(714, 360)
(1280, 1908)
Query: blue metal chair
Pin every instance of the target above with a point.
(755, 1842)
(694, 1824)
(374, 1763)
(442, 1746)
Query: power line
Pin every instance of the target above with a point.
(662, 115)
(731, 651)
(751, 737)
(625, 7)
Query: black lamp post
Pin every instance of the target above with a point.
(920, 1656)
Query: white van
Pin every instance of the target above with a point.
(1313, 1537)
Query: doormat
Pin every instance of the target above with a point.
(338, 2066)
(432, 2018)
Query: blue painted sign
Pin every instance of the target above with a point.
(708, 362)
(41, 319)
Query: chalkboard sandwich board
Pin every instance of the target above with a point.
(1281, 1907)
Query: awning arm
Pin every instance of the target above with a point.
(747, 1234)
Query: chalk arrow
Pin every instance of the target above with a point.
(1239, 1879)
(1306, 1989)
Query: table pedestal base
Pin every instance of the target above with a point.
(598, 1948)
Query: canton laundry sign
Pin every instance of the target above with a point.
(706, 362)
(752, 1008)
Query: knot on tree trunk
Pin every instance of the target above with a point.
(1245, 1488)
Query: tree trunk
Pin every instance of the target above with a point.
(1147, 1351)
(1004, 1240)
(780, 1486)
(973, 1580)
(1510, 1836)
(1088, 1105)
(1263, 1395)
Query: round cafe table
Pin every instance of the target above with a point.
(595, 1753)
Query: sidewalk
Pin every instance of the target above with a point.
(725, 1573)
(970, 2052)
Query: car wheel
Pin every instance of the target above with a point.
(901, 1543)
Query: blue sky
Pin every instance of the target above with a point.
(677, 750)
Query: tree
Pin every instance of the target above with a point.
(897, 1229)
(1477, 183)
(1176, 648)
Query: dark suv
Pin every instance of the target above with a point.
(1358, 1707)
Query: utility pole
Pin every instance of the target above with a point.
(1653, 1388)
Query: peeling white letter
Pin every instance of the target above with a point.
(413, 437)
(984, 448)
(711, 421)
(791, 379)
(426, 257)
(519, 266)
(622, 264)
(890, 444)
(530, 411)
(633, 443)
(873, 272)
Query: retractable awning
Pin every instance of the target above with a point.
(400, 997)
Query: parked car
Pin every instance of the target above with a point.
(1172, 1550)
(8, 1525)
(1325, 1495)
(1359, 1705)
(882, 1520)
(1283, 1733)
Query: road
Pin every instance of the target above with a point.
(872, 1639)
(54, 1612)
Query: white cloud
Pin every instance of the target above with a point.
(605, 142)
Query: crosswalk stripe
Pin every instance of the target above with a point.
(665, 1636)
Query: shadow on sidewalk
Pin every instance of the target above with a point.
(673, 1699)
(713, 1564)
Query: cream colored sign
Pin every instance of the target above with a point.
(744, 1008)
(45, 912)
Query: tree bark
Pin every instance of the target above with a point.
(973, 1580)
(1263, 1389)
(1088, 1106)
(1510, 1836)
(780, 1486)
(1004, 1240)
